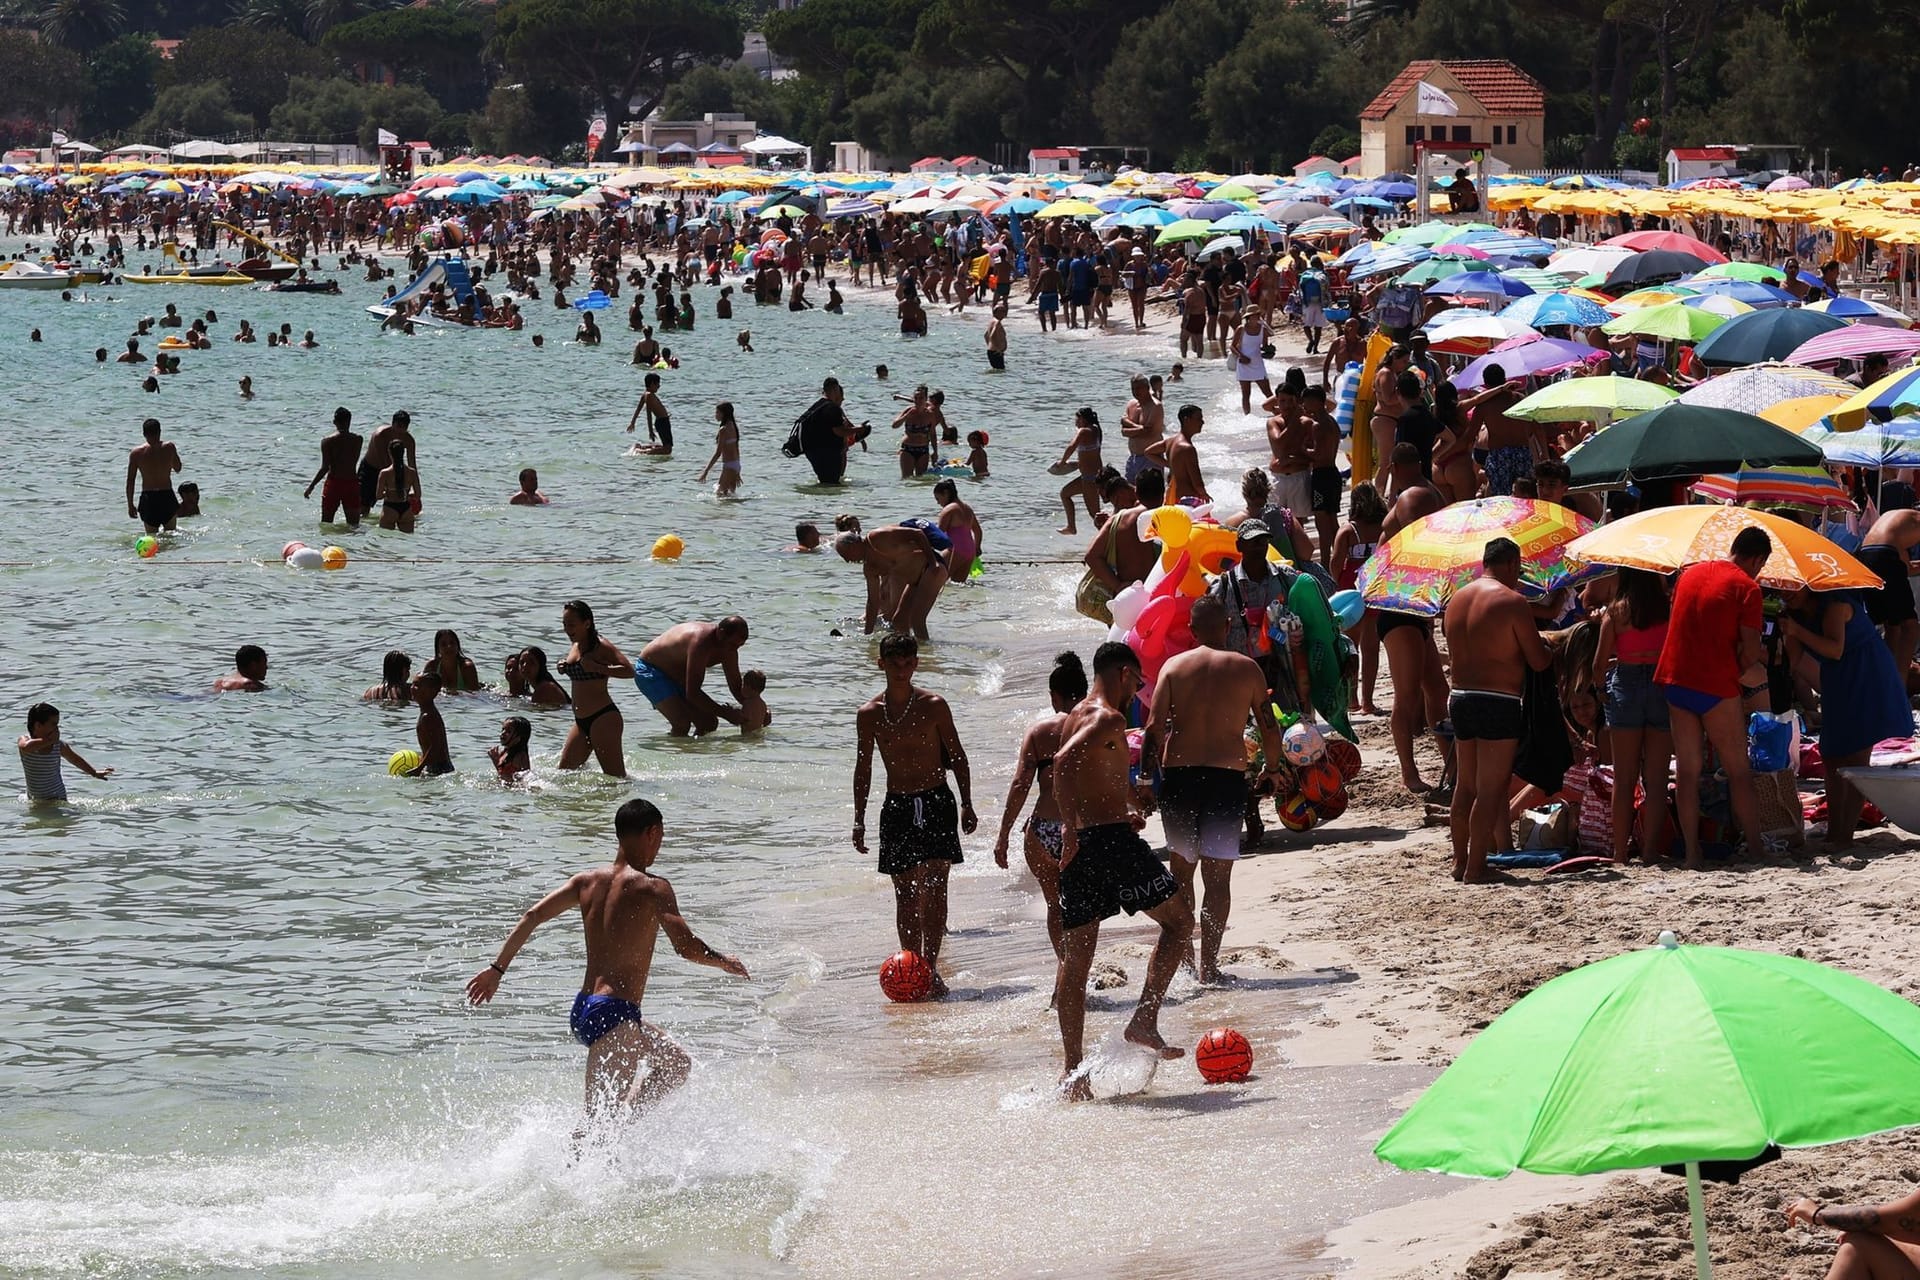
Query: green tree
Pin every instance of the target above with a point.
(940, 111)
(623, 53)
(736, 88)
(849, 45)
(1150, 94)
(255, 64)
(121, 76)
(1336, 142)
(321, 110)
(37, 79)
(1265, 101)
(83, 25)
(436, 43)
(203, 110)
(406, 110)
(525, 119)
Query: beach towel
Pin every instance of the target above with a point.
(1544, 754)
(1346, 394)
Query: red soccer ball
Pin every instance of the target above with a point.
(905, 977)
(1223, 1056)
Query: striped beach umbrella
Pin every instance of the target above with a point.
(1789, 486)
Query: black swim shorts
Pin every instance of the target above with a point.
(157, 506)
(1891, 602)
(923, 826)
(1326, 490)
(1112, 870)
(1480, 716)
(1203, 809)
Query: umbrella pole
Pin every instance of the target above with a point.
(1697, 1206)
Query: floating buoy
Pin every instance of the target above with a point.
(333, 558)
(290, 548)
(306, 558)
(668, 547)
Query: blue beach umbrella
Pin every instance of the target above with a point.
(1152, 216)
(1478, 284)
(1362, 202)
(1754, 293)
(1545, 309)
(1885, 444)
(1249, 221)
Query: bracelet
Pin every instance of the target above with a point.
(497, 967)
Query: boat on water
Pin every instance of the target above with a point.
(264, 271)
(81, 273)
(218, 273)
(305, 286)
(34, 275)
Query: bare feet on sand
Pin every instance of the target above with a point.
(1147, 1036)
(1075, 1087)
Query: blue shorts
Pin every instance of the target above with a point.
(1049, 303)
(1678, 695)
(594, 1016)
(655, 683)
(1634, 701)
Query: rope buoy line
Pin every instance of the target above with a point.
(525, 564)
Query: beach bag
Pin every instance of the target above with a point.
(1091, 598)
(1773, 742)
(1313, 287)
(1593, 830)
(1397, 306)
(1781, 817)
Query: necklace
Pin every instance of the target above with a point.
(888, 718)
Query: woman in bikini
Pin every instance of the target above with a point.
(455, 669)
(528, 677)
(726, 451)
(917, 422)
(1454, 474)
(1083, 452)
(397, 492)
(396, 680)
(1067, 685)
(589, 664)
(1353, 545)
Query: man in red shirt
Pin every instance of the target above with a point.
(1713, 637)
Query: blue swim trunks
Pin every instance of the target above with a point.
(594, 1016)
(655, 683)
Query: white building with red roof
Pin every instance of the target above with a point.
(1454, 108)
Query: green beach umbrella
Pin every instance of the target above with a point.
(1603, 399)
(1756, 271)
(1432, 233)
(1185, 229)
(1680, 439)
(1673, 1055)
(1670, 321)
(1437, 268)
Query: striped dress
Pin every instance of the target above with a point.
(43, 775)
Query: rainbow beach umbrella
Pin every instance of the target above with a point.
(1419, 568)
(1787, 486)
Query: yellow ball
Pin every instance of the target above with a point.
(404, 761)
(333, 558)
(668, 547)
(147, 545)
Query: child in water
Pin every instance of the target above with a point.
(510, 757)
(746, 341)
(977, 442)
(41, 752)
(754, 715)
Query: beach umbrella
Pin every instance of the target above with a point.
(1293, 213)
(1651, 296)
(1362, 202)
(1670, 322)
(1069, 209)
(1859, 311)
(1537, 279)
(1885, 444)
(1791, 486)
(1501, 244)
(1234, 190)
(1650, 267)
(1543, 310)
(1221, 245)
(1434, 232)
(1246, 220)
(1206, 210)
(1804, 413)
(1389, 261)
(1758, 387)
(1896, 394)
(1855, 343)
(1318, 228)
(795, 211)
(1667, 539)
(1764, 335)
(1713, 304)
(1437, 268)
(1603, 399)
(1672, 1055)
(1473, 334)
(1755, 294)
(1152, 216)
(1758, 272)
(1589, 260)
(1548, 355)
(1022, 206)
(1478, 284)
(1687, 440)
(1184, 229)
(1419, 568)
(1668, 240)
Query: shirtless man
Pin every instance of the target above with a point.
(1183, 459)
(1388, 405)
(904, 576)
(395, 435)
(919, 825)
(1116, 555)
(916, 423)
(1143, 424)
(674, 665)
(528, 494)
(1413, 660)
(1493, 638)
(249, 674)
(430, 731)
(1887, 550)
(1193, 316)
(1197, 728)
(1105, 866)
(155, 463)
(339, 454)
(1510, 442)
(997, 338)
(1323, 474)
(622, 910)
(1290, 441)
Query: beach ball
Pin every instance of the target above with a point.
(1298, 814)
(288, 550)
(905, 977)
(1348, 609)
(1333, 806)
(403, 762)
(1345, 756)
(1302, 744)
(333, 558)
(306, 558)
(147, 545)
(668, 547)
(1320, 781)
(1223, 1056)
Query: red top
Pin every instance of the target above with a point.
(1711, 603)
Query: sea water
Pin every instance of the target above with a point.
(234, 1039)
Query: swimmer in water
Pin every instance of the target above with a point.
(746, 341)
(528, 495)
(754, 714)
(41, 751)
(249, 674)
(396, 679)
(726, 451)
(246, 388)
(590, 663)
(806, 537)
(510, 757)
(430, 731)
(528, 677)
(659, 424)
(622, 909)
(977, 457)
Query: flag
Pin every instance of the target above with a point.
(59, 138)
(596, 130)
(1434, 101)
(388, 139)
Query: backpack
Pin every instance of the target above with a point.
(1313, 286)
(1397, 306)
(796, 444)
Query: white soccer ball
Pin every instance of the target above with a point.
(1303, 745)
